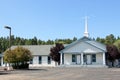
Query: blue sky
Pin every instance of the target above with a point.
(51, 19)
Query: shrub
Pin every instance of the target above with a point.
(18, 57)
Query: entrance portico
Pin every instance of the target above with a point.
(83, 59)
(84, 52)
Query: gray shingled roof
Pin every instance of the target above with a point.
(87, 40)
(98, 45)
(37, 49)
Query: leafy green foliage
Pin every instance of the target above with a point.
(4, 42)
(22, 54)
(18, 56)
(101, 40)
(117, 44)
(113, 46)
(110, 39)
(10, 57)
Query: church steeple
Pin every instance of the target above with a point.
(86, 34)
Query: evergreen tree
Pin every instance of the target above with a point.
(74, 39)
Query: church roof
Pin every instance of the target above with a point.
(37, 49)
(84, 44)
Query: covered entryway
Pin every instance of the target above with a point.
(84, 52)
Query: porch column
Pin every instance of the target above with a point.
(2, 61)
(104, 62)
(61, 57)
(82, 61)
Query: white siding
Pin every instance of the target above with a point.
(67, 59)
(44, 62)
(99, 59)
(35, 60)
(82, 47)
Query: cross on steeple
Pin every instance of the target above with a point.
(86, 34)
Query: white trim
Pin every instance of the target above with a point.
(82, 61)
(104, 62)
(61, 57)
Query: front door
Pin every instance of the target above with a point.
(78, 59)
(88, 59)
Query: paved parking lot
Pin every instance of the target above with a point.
(62, 74)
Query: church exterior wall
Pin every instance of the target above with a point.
(67, 59)
(43, 63)
(99, 58)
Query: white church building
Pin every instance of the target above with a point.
(83, 52)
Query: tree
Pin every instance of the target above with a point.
(17, 41)
(117, 44)
(39, 42)
(118, 38)
(34, 41)
(54, 52)
(50, 42)
(18, 57)
(110, 39)
(101, 40)
(10, 57)
(112, 53)
(4, 41)
(74, 39)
